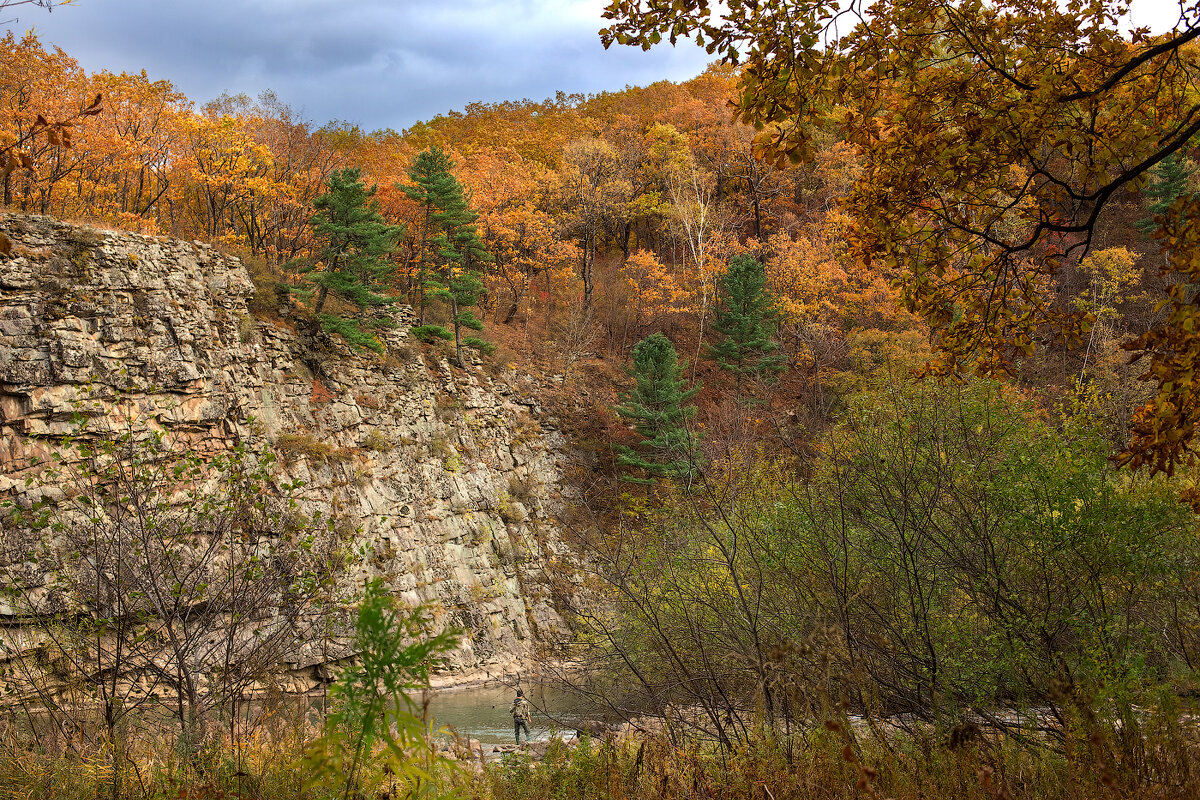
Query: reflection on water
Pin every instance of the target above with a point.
(481, 712)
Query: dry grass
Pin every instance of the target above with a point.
(824, 764)
(292, 447)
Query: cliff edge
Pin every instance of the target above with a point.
(446, 479)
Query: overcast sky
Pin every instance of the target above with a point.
(377, 63)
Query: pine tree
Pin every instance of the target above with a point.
(452, 253)
(656, 405)
(352, 258)
(432, 183)
(1168, 183)
(746, 322)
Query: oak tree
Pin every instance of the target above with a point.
(993, 135)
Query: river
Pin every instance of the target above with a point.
(481, 712)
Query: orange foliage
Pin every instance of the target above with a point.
(636, 197)
(652, 289)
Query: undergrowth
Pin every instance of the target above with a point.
(824, 764)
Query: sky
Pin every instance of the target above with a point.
(374, 63)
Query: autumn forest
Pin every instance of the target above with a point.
(874, 353)
(625, 207)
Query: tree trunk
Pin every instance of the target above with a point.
(457, 331)
(516, 301)
(589, 258)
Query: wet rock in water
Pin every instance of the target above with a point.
(593, 729)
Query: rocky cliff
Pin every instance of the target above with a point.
(447, 477)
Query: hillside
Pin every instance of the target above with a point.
(822, 426)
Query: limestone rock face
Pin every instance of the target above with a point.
(448, 480)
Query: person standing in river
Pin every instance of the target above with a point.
(521, 715)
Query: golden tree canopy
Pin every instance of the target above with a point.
(993, 136)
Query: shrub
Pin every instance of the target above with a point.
(377, 442)
(172, 583)
(368, 401)
(375, 734)
(440, 447)
(951, 552)
(292, 446)
(247, 329)
(431, 333)
(523, 488)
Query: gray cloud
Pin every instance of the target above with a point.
(371, 62)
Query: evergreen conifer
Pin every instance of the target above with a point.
(1168, 182)
(746, 322)
(352, 258)
(451, 252)
(431, 184)
(657, 407)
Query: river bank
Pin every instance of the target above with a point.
(824, 763)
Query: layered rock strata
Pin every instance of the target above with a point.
(446, 478)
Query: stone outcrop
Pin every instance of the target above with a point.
(448, 479)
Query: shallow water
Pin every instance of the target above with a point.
(482, 712)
